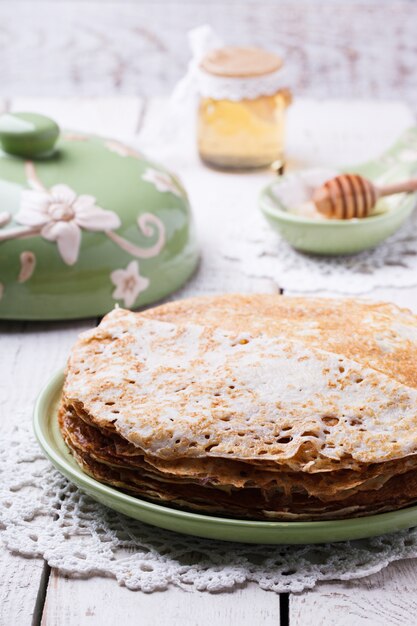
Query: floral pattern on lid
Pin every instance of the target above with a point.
(129, 283)
(162, 181)
(27, 266)
(59, 215)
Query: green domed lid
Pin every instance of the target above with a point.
(85, 223)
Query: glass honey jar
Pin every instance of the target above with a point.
(241, 116)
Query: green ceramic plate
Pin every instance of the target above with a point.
(338, 237)
(49, 437)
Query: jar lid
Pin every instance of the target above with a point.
(237, 62)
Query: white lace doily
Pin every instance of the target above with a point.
(43, 515)
(258, 251)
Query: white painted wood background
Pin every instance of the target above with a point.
(29, 353)
(333, 48)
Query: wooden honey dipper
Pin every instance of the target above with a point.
(350, 195)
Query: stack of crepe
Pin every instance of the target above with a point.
(259, 407)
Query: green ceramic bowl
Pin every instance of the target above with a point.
(49, 437)
(337, 237)
(86, 223)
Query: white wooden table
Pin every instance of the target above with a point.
(32, 593)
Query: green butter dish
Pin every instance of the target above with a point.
(245, 531)
(308, 233)
(85, 223)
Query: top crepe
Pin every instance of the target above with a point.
(272, 390)
(377, 334)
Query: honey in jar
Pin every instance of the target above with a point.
(242, 106)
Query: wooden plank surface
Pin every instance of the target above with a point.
(110, 116)
(100, 602)
(388, 598)
(22, 376)
(332, 49)
(20, 583)
(21, 579)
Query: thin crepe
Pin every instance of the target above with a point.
(195, 391)
(260, 407)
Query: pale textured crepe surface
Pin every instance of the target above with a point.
(378, 334)
(310, 405)
(191, 391)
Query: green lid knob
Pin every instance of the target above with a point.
(28, 134)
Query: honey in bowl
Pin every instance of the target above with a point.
(241, 119)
